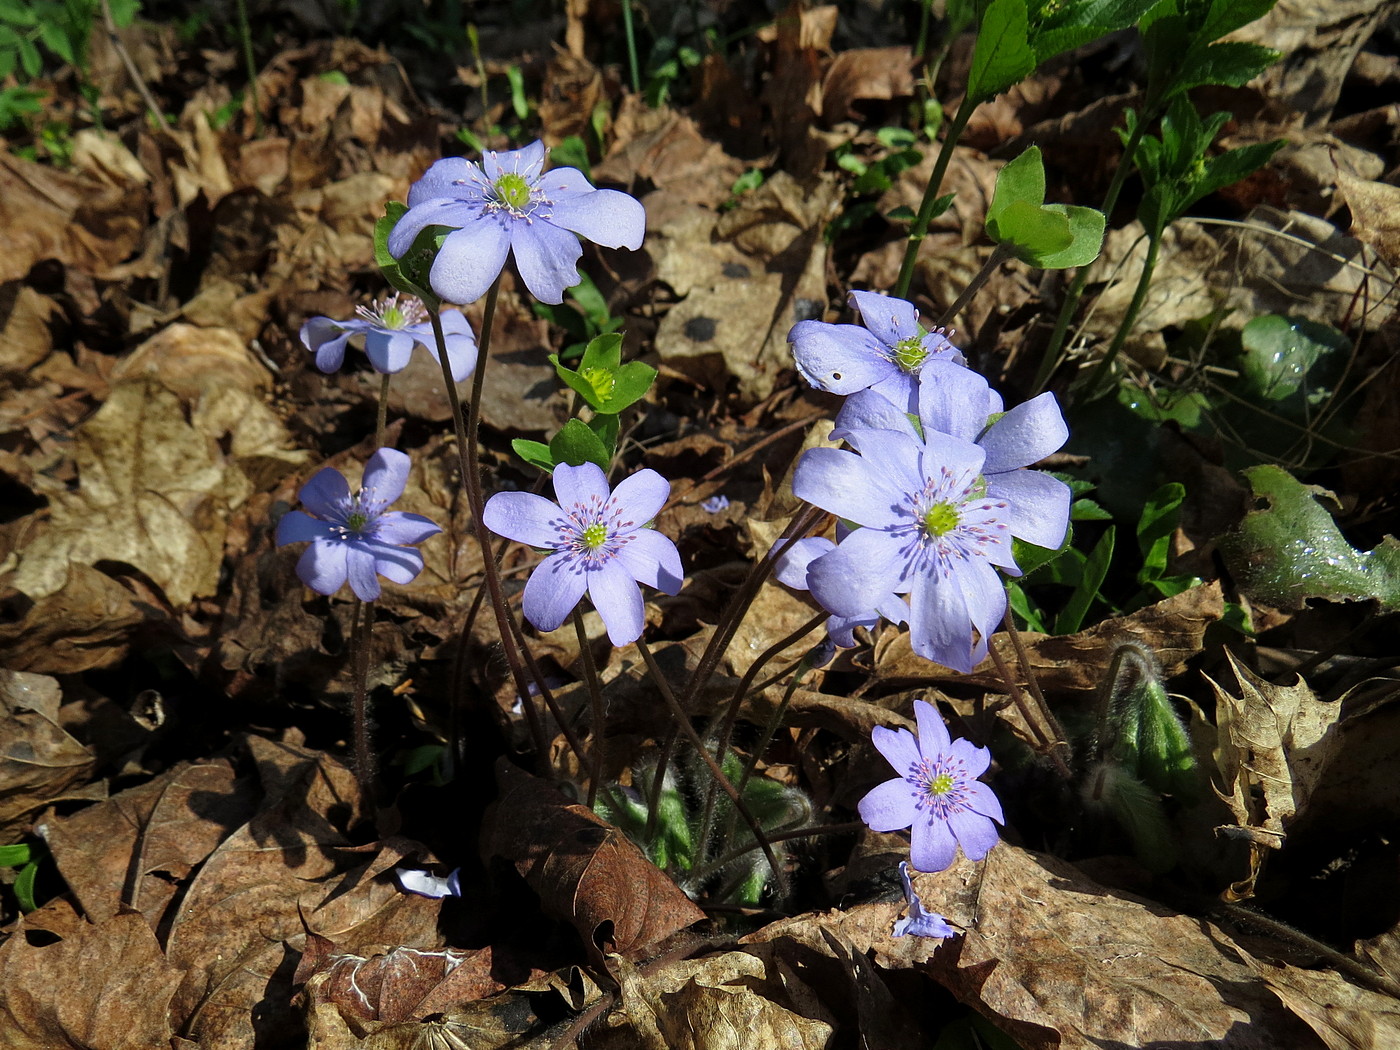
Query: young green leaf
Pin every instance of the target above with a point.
(1022, 179)
(1033, 233)
(576, 444)
(535, 453)
(1071, 617)
(1155, 527)
(1086, 228)
(1002, 55)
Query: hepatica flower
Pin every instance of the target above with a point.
(354, 536)
(391, 329)
(791, 571)
(885, 355)
(938, 508)
(508, 204)
(598, 542)
(937, 794)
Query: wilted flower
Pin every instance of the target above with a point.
(937, 793)
(919, 922)
(791, 571)
(355, 536)
(886, 355)
(415, 880)
(599, 543)
(510, 204)
(391, 328)
(715, 504)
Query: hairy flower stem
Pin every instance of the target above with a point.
(361, 633)
(1047, 744)
(1051, 356)
(245, 33)
(382, 416)
(466, 430)
(704, 871)
(1000, 254)
(683, 724)
(595, 703)
(918, 230)
(725, 735)
(1101, 374)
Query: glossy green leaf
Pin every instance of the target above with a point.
(1279, 352)
(535, 453)
(576, 444)
(1292, 550)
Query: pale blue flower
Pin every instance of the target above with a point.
(599, 543)
(355, 536)
(919, 922)
(937, 794)
(391, 329)
(510, 204)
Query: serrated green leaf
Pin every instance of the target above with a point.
(1002, 55)
(1086, 228)
(1070, 24)
(1292, 550)
(1022, 179)
(1088, 510)
(535, 453)
(576, 444)
(1233, 63)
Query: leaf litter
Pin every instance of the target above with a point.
(212, 879)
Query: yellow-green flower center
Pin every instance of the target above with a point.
(601, 380)
(513, 191)
(356, 521)
(940, 785)
(595, 535)
(910, 353)
(940, 519)
(393, 317)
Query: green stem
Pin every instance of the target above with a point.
(1000, 254)
(630, 34)
(919, 229)
(466, 431)
(1125, 327)
(1051, 356)
(595, 703)
(245, 32)
(683, 724)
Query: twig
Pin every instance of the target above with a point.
(130, 66)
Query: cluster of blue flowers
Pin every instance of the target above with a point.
(931, 489)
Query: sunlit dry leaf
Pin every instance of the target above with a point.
(584, 870)
(152, 492)
(1375, 214)
(38, 759)
(880, 73)
(192, 361)
(114, 989)
(1059, 961)
(1274, 744)
(725, 1002)
(666, 148)
(25, 335)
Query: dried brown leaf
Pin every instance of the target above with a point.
(881, 73)
(1345, 1016)
(1375, 214)
(105, 985)
(87, 623)
(1273, 745)
(585, 871)
(39, 761)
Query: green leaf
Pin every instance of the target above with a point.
(1279, 352)
(124, 12)
(1033, 233)
(1232, 63)
(1069, 24)
(1088, 510)
(56, 40)
(605, 385)
(409, 273)
(576, 444)
(1071, 617)
(607, 428)
(1022, 179)
(17, 14)
(24, 886)
(1002, 55)
(535, 453)
(1292, 550)
(1029, 557)
(1086, 226)
(29, 58)
(14, 856)
(1026, 609)
(1155, 527)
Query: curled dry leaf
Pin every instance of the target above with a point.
(1273, 744)
(1375, 214)
(585, 870)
